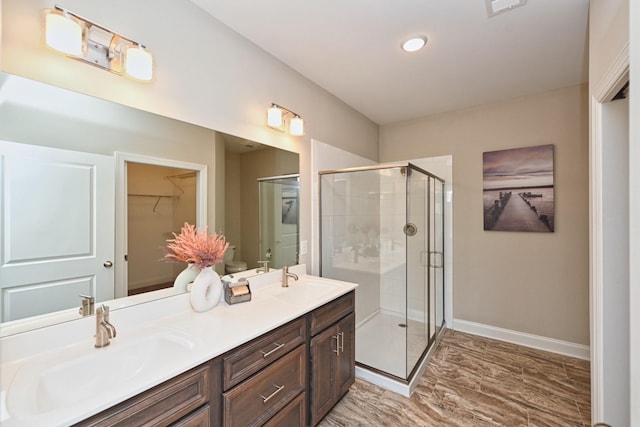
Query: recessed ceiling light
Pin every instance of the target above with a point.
(414, 44)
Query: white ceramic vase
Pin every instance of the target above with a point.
(206, 290)
(185, 277)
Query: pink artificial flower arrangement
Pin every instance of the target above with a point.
(196, 246)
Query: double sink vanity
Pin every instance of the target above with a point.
(284, 358)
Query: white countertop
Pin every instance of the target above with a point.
(212, 333)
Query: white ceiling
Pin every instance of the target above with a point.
(351, 48)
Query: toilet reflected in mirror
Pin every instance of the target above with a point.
(232, 266)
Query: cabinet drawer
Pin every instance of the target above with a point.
(257, 399)
(331, 312)
(200, 418)
(250, 358)
(160, 406)
(294, 414)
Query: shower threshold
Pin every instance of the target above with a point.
(395, 383)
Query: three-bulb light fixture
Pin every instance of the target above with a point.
(84, 40)
(276, 117)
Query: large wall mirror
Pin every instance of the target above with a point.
(77, 170)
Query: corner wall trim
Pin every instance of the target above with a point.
(553, 345)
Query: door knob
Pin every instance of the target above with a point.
(108, 264)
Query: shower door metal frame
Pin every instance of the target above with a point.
(433, 337)
(426, 239)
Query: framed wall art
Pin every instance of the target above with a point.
(518, 190)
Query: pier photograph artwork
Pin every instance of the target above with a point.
(518, 193)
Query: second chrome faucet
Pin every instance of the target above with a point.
(286, 275)
(104, 330)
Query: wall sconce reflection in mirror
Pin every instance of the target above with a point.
(82, 39)
(276, 117)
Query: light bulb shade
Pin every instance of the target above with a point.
(296, 126)
(274, 116)
(63, 33)
(138, 63)
(414, 44)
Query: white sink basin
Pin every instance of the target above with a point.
(70, 376)
(305, 291)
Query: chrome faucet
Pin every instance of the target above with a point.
(264, 267)
(88, 305)
(104, 330)
(286, 275)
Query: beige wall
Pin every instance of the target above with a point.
(526, 282)
(206, 74)
(634, 298)
(232, 225)
(608, 34)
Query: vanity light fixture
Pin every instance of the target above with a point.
(414, 44)
(276, 117)
(87, 41)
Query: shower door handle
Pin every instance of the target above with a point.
(436, 259)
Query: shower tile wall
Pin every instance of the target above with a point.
(417, 214)
(368, 211)
(350, 222)
(393, 292)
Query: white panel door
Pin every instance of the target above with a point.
(57, 216)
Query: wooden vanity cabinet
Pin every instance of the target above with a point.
(290, 376)
(265, 380)
(185, 401)
(331, 354)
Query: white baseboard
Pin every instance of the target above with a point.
(553, 345)
(150, 282)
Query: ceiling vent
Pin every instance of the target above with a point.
(496, 7)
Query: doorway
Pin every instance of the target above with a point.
(609, 255)
(154, 198)
(160, 200)
(615, 259)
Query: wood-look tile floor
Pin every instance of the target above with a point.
(476, 381)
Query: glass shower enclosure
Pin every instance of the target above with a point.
(278, 219)
(382, 227)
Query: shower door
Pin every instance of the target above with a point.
(417, 235)
(436, 258)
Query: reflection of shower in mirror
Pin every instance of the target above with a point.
(278, 211)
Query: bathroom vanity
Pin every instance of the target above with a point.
(284, 358)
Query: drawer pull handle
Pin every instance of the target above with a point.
(341, 347)
(269, 353)
(278, 389)
(337, 350)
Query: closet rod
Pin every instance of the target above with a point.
(154, 195)
(183, 175)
